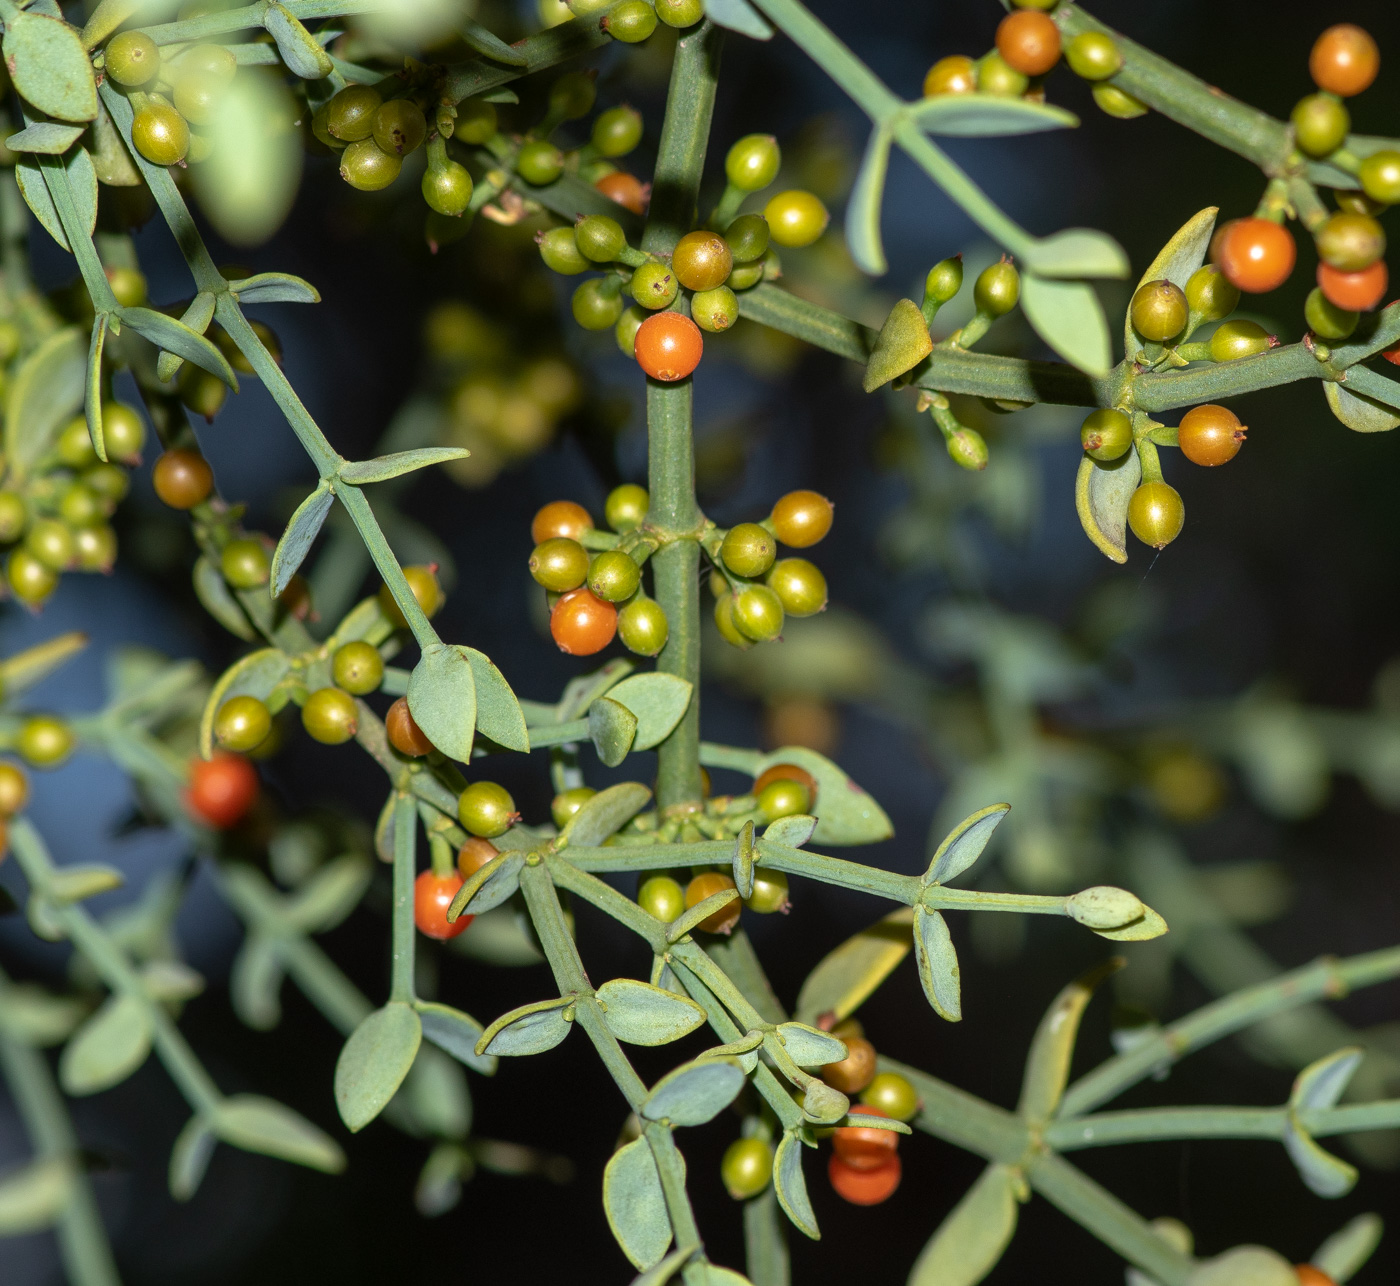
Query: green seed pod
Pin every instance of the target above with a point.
(1092, 55)
(241, 724)
(560, 252)
(626, 507)
(998, 288)
(758, 612)
(747, 238)
(748, 549)
(752, 163)
(358, 667)
(614, 576)
(714, 310)
(1320, 124)
(1210, 294)
(1325, 319)
(944, 280)
(1118, 102)
(560, 564)
(617, 131)
(968, 449)
(642, 626)
(350, 113)
(1106, 435)
(476, 121)
(599, 238)
(1236, 339)
(1159, 310)
(539, 162)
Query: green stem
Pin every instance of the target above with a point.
(765, 1241)
(405, 871)
(1150, 1125)
(219, 24)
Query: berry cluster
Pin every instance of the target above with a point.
(168, 97)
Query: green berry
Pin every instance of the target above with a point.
(1210, 294)
(75, 444)
(1350, 242)
(642, 626)
(799, 585)
(944, 280)
(747, 1168)
(626, 507)
(617, 131)
(631, 21)
(568, 802)
(1325, 319)
(51, 542)
(13, 515)
(1233, 340)
(95, 548)
(654, 286)
(29, 580)
(245, 564)
(560, 564)
(476, 121)
(1092, 55)
(160, 133)
(447, 188)
(572, 96)
(770, 892)
(1106, 435)
(560, 252)
(132, 59)
(107, 481)
(1159, 310)
(80, 506)
(597, 303)
(599, 238)
(242, 724)
(714, 310)
(758, 612)
(45, 741)
(350, 113)
(748, 238)
(997, 77)
(752, 163)
(330, 716)
(614, 576)
(727, 625)
(680, 13)
(661, 897)
(783, 798)
(748, 549)
(1118, 103)
(1320, 124)
(486, 809)
(123, 432)
(357, 667)
(998, 288)
(367, 167)
(625, 332)
(539, 162)
(967, 449)
(893, 1095)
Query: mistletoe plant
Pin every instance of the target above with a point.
(179, 107)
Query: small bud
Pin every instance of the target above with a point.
(1104, 907)
(968, 449)
(944, 280)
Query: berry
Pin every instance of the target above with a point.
(1325, 319)
(614, 576)
(998, 287)
(474, 854)
(539, 162)
(486, 809)
(242, 723)
(668, 346)
(654, 286)
(701, 260)
(196, 97)
(748, 549)
(783, 798)
(1380, 176)
(367, 167)
(49, 541)
(582, 624)
(864, 1147)
(1344, 60)
(799, 585)
(617, 131)
(1118, 103)
(1106, 435)
(560, 252)
(597, 303)
(747, 238)
(29, 580)
(432, 895)
(680, 13)
(631, 21)
(1237, 339)
(626, 507)
(1210, 435)
(350, 113)
(1350, 242)
(1308, 1275)
(758, 612)
(14, 789)
(160, 134)
(727, 626)
(95, 548)
(427, 593)
(707, 885)
(245, 564)
(476, 121)
(893, 1095)
(854, 1072)
(997, 77)
(565, 804)
(955, 74)
(599, 238)
(626, 189)
(559, 564)
(75, 444)
(217, 62)
(786, 772)
(572, 96)
(1356, 202)
(560, 518)
(770, 893)
(715, 310)
(1256, 254)
(13, 515)
(752, 163)
(642, 626)
(801, 518)
(447, 189)
(1159, 310)
(132, 59)
(45, 741)
(1354, 291)
(403, 731)
(1092, 55)
(864, 1187)
(1029, 41)
(1210, 295)
(795, 218)
(747, 1168)
(357, 667)
(106, 481)
(661, 897)
(1156, 514)
(123, 432)
(330, 716)
(1320, 124)
(129, 288)
(222, 789)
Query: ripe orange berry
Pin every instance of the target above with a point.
(1256, 255)
(403, 731)
(1029, 41)
(706, 885)
(582, 623)
(1311, 1276)
(1358, 292)
(1344, 60)
(560, 518)
(864, 1187)
(432, 895)
(626, 189)
(863, 1147)
(222, 789)
(668, 346)
(474, 854)
(854, 1072)
(1210, 435)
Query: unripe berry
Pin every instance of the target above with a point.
(944, 279)
(1210, 294)
(998, 288)
(614, 576)
(748, 549)
(486, 809)
(626, 507)
(642, 626)
(1325, 319)
(1106, 435)
(1159, 310)
(1156, 514)
(752, 163)
(1092, 55)
(1233, 340)
(654, 286)
(1320, 124)
(617, 131)
(599, 238)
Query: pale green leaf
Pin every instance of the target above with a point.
(611, 728)
(740, 16)
(661, 1273)
(1067, 316)
(374, 1061)
(1150, 926)
(217, 599)
(1175, 262)
(111, 162)
(255, 982)
(744, 1050)
(1322, 1083)
(1101, 494)
(92, 398)
(824, 1105)
(635, 1204)
(498, 713)
(108, 1047)
(49, 66)
(902, 344)
(385, 467)
(641, 1014)
(809, 1047)
(490, 45)
(455, 1033)
(530, 1029)
(847, 976)
(790, 1187)
(1325, 1174)
(695, 1092)
(49, 137)
(1076, 252)
(35, 1017)
(792, 831)
(45, 392)
(69, 884)
(175, 337)
(330, 893)
(258, 1124)
(254, 675)
(743, 860)
(1052, 1047)
(302, 529)
(434, 1096)
(22, 670)
(189, 1158)
(605, 814)
(938, 964)
(659, 701)
(442, 699)
(964, 844)
(33, 1197)
(579, 693)
(971, 1240)
(502, 936)
(863, 205)
(986, 115)
(274, 288)
(488, 886)
(1346, 1251)
(696, 915)
(1359, 413)
(1244, 1266)
(300, 50)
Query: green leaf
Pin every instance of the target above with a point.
(257, 1124)
(1357, 412)
(111, 162)
(175, 337)
(938, 964)
(82, 184)
(790, 1187)
(659, 702)
(694, 916)
(488, 886)
(22, 670)
(255, 982)
(611, 728)
(360, 472)
(1101, 494)
(661, 1273)
(300, 50)
(822, 1104)
(1175, 262)
(455, 1033)
(217, 599)
(34, 1017)
(93, 394)
(69, 884)
(1150, 926)
(605, 814)
(1067, 316)
(744, 1050)
(1244, 1266)
(498, 713)
(189, 1158)
(809, 1047)
(107, 1048)
(635, 1204)
(302, 529)
(274, 288)
(1052, 1047)
(743, 861)
(902, 344)
(49, 66)
(434, 1096)
(254, 675)
(330, 894)
(1346, 1251)
(986, 115)
(442, 699)
(1324, 1174)
(695, 1092)
(863, 205)
(579, 693)
(845, 978)
(642, 1014)
(793, 831)
(964, 844)
(740, 16)
(374, 1062)
(530, 1029)
(49, 137)
(1320, 1085)
(1077, 252)
(45, 393)
(490, 45)
(846, 814)
(972, 1239)
(33, 1197)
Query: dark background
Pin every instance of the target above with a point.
(1287, 569)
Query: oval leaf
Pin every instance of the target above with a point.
(46, 392)
(531, 1029)
(1052, 1047)
(987, 115)
(695, 1092)
(1077, 252)
(846, 814)
(863, 206)
(635, 1204)
(33, 1196)
(658, 700)
(790, 1187)
(793, 831)
(175, 337)
(385, 467)
(847, 976)
(442, 699)
(258, 1124)
(49, 66)
(48, 137)
(274, 288)
(299, 48)
(107, 1048)
(254, 675)
(302, 530)
(642, 1014)
(455, 1033)
(1244, 1266)
(488, 886)
(1067, 316)
(1345, 1252)
(964, 844)
(938, 964)
(189, 1158)
(498, 713)
(902, 344)
(1359, 413)
(1325, 1174)
(1101, 494)
(605, 814)
(743, 860)
(255, 982)
(217, 599)
(374, 1061)
(1176, 261)
(740, 16)
(611, 728)
(808, 1047)
(971, 1240)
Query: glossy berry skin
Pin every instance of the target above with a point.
(486, 809)
(661, 897)
(132, 59)
(748, 549)
(746, 1168)
(572, 96)
(399, 127)
(893, 1095)
(45, 741)
(1256, 255)
(1106, 435)
(747, 238)
(432, 895)
(1308, 1275)
(1237, 339)
(614, 576)
(786, 772)
(567, 802)
(350, 113)
(1320, 124)
(539, 162)
(998, 286)
(560, 252)
(367, 167)
(560, 518)
(626, 507)
(1092, 55)
(1325, 319)
(701, 260)
(14, 789)
(330, 716)
(1210, 295)
(727, 626)
(597, 303)
(427, 593)
(182, 478)
(996, 76)
(599, 238)
(1029, 41)
(559, 564)
(795, 218)
(758, 612)
(123, 432)
(245, 564)
(680, 13)
(642, 626)
(474, 854)
(801, 518)
(51, 543)
(770, 893)
(1344, 60)
(617, 131)
(1159, 310)
(631, 21)
(357, 667)
(668, 346)
(447, 189)
(799, 585)
(864, 1147)
(654, 286)
(955, 74)
(854, 1072)
(783, 798)
(1156, 514)
(626, 189)
(864, 1187)
(29, 580)
(1350, 242)
(403, 731)
(13, 515)
(1380, 176)
(707, 885)
(1118, 103)
(1354, 291)
(129, 288)
(752, 163)
(242, 723)
(1210, 435)
(222, 789)
(160, 134)
(582, 623)
(714, 310)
